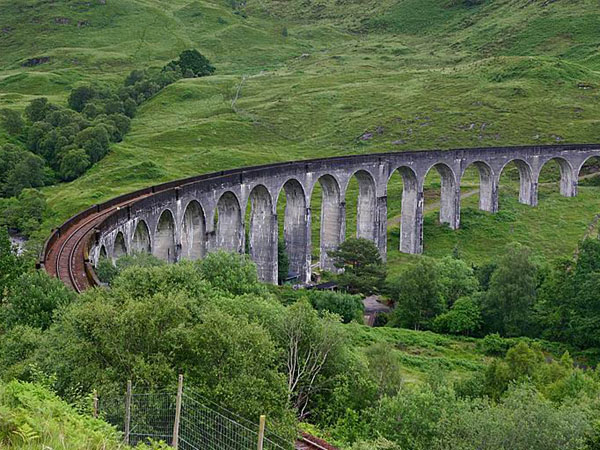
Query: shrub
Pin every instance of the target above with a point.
(348, 307)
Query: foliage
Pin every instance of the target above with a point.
(363, 269)
(457, 279)
(192, 64)
(23, 213)
(463, 317)
(11, 265)
(385, 368)
(494, 345)
(507, 306)
(233, 273)
(348, 307)
(11, 121)
(417, 293)
(33, 300)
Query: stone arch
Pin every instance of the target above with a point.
(488, 187)
(449, 195)
(119, 247)
(333, 218)
(296, 229)
(568, 179)
(366, 208)
(164, 237)
(140, 243)
(411, 217)
(263, 234)
(193, 232)
(229, 227)
(527, 184)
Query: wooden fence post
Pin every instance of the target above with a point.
(175, 443)
(261, 432)
(127, 411)
(95, 404)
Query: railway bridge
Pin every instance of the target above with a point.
(187, 218)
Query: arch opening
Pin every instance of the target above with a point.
(229, 226)
(262, 234)
(558, 171)
(405, 208)
(295, 229)
(517, 169)
(332, 220)
(193, 232)
(366, 206)
(140, 243)
(488, 189)
(119, 248)
(444, 179)
(164, 238)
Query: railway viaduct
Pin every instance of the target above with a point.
(185, 219)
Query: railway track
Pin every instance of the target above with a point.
(308, 442)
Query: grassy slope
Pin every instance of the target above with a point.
(423, 73)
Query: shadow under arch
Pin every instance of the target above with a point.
(193, 232)
(296, 229)
(229, 226)
(164, 237)
(119, 247)
(140, 243)
(449, 195)
(411, 214)
(262, 234)
(488, 189)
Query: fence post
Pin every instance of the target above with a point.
(95, 412)
(127, 411)
(175, 443)
(261, 432)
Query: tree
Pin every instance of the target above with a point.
(33, 299)
(418, 294)
(507, 306)
(457, 279)
(309, 344)
(464, 317)
(384, 368)
(74, 164)
(194, 62)
(37, 109)
(11, 265)
(27, 173)
(12, 122)
(79, 97)
(95, 141)
(363, 269)
(348, 307)
(230, 272)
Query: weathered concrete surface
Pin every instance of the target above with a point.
(187, 218)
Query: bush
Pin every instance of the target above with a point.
(230, 272)
(494, 345)
(348, 307)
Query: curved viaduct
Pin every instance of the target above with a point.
(185, 219)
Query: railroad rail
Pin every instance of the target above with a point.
(309, 442)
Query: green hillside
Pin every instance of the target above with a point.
(296, 79)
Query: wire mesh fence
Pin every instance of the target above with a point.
(199, 423)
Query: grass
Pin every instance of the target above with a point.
(416, 74)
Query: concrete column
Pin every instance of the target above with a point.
(569, 179)
(381, 226)
(230, 229)
(366, 214)
(528, 190)
(193, 232)
(263, 235)
(411, 220)
(450, 198)
(488, 190)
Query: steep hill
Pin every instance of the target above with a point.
(302, 78)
